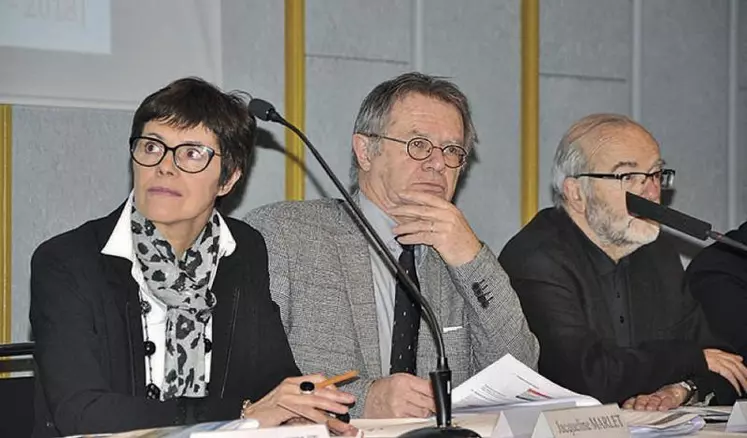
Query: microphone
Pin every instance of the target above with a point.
(641, 207)
(441, 377)
(264, 110)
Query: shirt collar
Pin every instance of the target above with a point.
(120, 241)
(381, 222)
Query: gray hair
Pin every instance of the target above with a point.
(373, 116)
(570, 157)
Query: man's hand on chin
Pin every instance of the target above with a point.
(430, 220)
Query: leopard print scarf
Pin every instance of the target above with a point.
(182, 285)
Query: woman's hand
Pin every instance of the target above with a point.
(269, 410)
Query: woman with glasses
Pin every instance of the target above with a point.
(160, 313)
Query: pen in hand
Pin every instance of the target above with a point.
(337, 379)
(345, 418)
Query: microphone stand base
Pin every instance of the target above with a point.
(441, 432)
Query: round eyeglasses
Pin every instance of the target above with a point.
(190, 158)
(420, 148)
(664, 178)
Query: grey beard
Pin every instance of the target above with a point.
(612, 230)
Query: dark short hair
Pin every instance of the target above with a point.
(189, 102)
(373, 116)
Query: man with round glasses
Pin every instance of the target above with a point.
(603, 292)
(341, 305)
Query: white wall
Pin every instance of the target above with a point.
(684, 98)
(351, 46)
(253, 60)
(70, 165)
(585, 67)
(741, 116)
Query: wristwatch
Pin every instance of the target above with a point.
(245, 404)
(692, 390)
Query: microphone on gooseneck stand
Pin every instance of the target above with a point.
(643, 208)
(441, 377)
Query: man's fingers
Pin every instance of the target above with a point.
(726, 374)
(415, 212)
(727, 365)
(640, 402)
(639, 405)
(417, 412)
(653, 403)
(421, 401)
(742, 379)
(737, 379)
(409, 410)
(409, 382)
(413, 397)
(399, 395)
(416, 239)
(731, 368)
(664, 399)
(629, 403)
(422, 386)
(422, 198)
(643, 403)
(416, 226)
(739, 370)
(661, 403)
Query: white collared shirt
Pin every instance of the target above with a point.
(120, 245)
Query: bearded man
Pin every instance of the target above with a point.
(600, 289)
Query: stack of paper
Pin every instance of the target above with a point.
(656, 423)
(708, 413)
(508, 382)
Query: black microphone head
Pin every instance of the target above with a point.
(641, 207)
(263, 110)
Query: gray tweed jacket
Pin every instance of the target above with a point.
(321, 278)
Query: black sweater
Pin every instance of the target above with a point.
(85, 316)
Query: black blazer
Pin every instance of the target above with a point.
(718, 280)
(550, 269)
(85, 317)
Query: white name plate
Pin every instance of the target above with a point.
(306, 431)
(592, 422)
(738, 418)
(520, 421)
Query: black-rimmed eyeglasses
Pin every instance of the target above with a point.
(420, 148)
(190, 158)
(664, 178)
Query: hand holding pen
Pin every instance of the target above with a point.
(311, 397)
